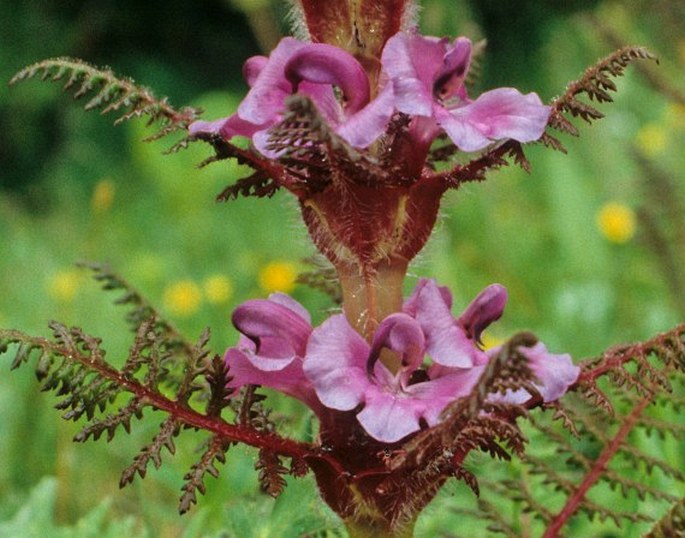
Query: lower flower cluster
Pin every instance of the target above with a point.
(439, 359)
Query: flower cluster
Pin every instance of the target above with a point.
(333, 367)
(422, 77)
(370, 200)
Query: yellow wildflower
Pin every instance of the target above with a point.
(616, 222)
(277, 276)
(103, 196)
(63, 285)
(652, 139)
(218, 289)
(675, 115)
(183, 298)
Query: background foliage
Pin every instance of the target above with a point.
(73, 187)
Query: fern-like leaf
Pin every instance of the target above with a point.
(672, 525)
(602, 433)
(597, 84)
(271, 472)
(162, 372)
(111, 94)
(215, 452)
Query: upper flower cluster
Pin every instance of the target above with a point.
(422, 77)
(333, 367)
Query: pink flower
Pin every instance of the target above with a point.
(272, 347)
(427, 75)
(333, 367)
(346, 372)
(555, 374)
(314, 70)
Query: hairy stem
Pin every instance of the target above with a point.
(369, 297)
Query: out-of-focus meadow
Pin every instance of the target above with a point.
(591, 245)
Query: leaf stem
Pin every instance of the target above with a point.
(597, 470)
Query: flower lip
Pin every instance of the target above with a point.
(447, 343)
(399, 333)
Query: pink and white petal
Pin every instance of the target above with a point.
(321, 63)
(555, 373)
(503, 113)
(389, 418)
(364, 127)
(284, 330)
(486, 308)
(265, 100)
(335, 363)
(411, 62)
(446, 342)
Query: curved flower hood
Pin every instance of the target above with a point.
(271, 348)
(315, 70)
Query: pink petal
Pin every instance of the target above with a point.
(364, 127)
(283, 375)
(388, 418)
(321, 63)
(446, 341)
(445, 386)
(286, 300)
(226, 127)
(486, 308)
(402, 334)
(495, 115)
(449, 81)
(411, 62)
(253, 67)
(336, 364)
(276, 328)
(556, 373)
(264, 102)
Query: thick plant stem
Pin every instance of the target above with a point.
(371, 295)
(375, 529)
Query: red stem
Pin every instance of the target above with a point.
(216, 425)
(597, 469)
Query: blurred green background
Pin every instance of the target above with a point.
(591, 245)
